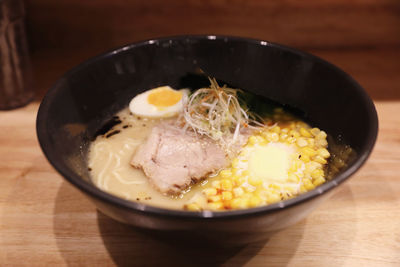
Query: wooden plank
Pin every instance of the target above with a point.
(44, 221)
(374, 69)
(314, 24)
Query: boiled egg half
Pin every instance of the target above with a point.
(160, 102)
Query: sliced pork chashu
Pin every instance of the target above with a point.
(173, 159)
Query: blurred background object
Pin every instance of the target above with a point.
(360, 36)
(15, 69)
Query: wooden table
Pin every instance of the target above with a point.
(44, 221)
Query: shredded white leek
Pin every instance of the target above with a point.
(217, 113)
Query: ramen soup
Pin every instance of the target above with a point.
(206, 151)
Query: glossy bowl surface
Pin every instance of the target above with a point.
(83, 99)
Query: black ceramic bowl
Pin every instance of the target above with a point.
(84, 98)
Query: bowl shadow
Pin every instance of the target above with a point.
(129, 246)
(84, 236)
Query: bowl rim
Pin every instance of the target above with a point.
(98, 194)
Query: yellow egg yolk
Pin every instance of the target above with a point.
(164, 97)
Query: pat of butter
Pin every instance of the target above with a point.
(270, 163)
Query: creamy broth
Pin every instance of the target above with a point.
(109, 164)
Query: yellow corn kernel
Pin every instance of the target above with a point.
(216, 205)
(263, 141)
(226, 184)
(285, 196)
(317, 173)
(308, 184)
(226, 195)
(283, 137)
(245, 173)
(321, 135)
(323, 152)
(249, 188)
(216, 184)
(225, 173)
(274, 137)
(214, 198)
(290, 189)
(235, 178)
(293, 178)
(290, 140)
(260, 139)
(267, 192)
(292, 125)
(301, 124)
(320, 159)
(246, 196)
(253, 140)
(307, 175)
(193, 207)
(238, 191)
(274, 186)
(276, 129)
(235, 163)
(235, 171)
(272, 198)
(243, 154)
(304, 132)
(260, 190)
(210, 191)
(285, 130)
(240, 181)
(315, 131)
(311, 142)
(302, 189)
(301, 142)
(312, 165)
(254, 201)
(308, 151)
(294, 133)
(300, 174)
(238, 203)
(319, 181)
(296, 164)
(321, 143)
(227, 204)
(305, 158)
(255, 181)
(265, 134)
(293, 168)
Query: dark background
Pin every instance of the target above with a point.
(360, 36)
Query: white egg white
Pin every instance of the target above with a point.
(140, 106)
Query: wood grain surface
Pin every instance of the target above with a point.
(305, 24)
(360, 36)
(44, 221)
